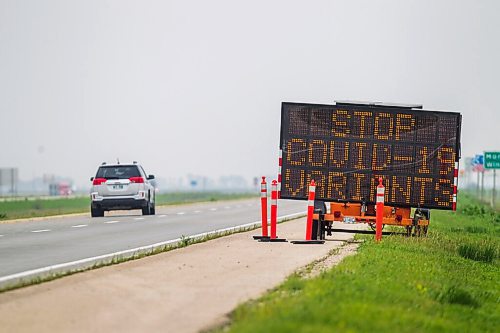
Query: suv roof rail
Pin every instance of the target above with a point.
(135, 162)
(103, 163)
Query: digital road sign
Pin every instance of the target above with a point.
(346, 147)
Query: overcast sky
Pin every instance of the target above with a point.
(196, 86)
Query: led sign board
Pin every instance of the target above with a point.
(345, 148)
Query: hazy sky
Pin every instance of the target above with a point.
(196, 86)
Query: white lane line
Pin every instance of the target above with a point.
(227, 207)
(238, 206)
(111, 222)
(139, 218)
(162, 215)
(41, 230)
(1, 235)
(249, 205)
(181, 213)
(213, 209)
(148, 248)
(197, 211)
(79, 226)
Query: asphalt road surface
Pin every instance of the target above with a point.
(31, 245)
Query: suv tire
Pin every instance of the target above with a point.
(96, 212)
(146, 210)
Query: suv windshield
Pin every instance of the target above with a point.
(118, 172)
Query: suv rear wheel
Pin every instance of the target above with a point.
(96, 212)
(146, 210)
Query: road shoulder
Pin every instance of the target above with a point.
(184, 290)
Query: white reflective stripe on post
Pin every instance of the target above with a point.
(455, 181)
(274, 202)
(312, 188)
(380, 194)
(279, 187)
(456, 165)
(454, 198)
(263, 194)
(310, 203)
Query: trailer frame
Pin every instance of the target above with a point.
(348, 212)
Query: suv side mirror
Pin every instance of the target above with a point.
(91, 179)
(151, 177)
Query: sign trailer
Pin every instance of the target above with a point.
(346, 147)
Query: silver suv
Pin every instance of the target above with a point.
(122, 186)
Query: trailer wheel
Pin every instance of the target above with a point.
(373, 226)
(427, 216)
(424, 229)
(318, 229)
(420, 230)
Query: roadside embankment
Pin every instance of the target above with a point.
(184, 290)
(445, 282)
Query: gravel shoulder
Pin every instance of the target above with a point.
(185, 290)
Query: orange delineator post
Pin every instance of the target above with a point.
(274, 208)
(280, 163)
(263, 201)
(380, 210)
(310, 210)
(274, 216)
(310, 216)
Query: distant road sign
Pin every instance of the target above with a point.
(8, 176)
(492, 160)
(478, 163)
(478, 159)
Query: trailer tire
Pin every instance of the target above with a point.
(373, 226)
(408, 230)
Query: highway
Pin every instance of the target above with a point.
(32, 245)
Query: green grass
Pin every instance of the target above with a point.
(38, 208)
(446, 282)
(487, 196)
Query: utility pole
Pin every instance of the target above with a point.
(482, 185)
(477, 184)
(493, 195)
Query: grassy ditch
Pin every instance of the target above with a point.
(41, 207)
(446, 282)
